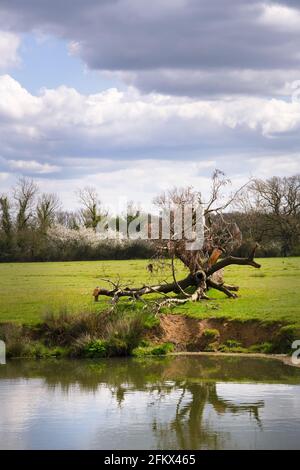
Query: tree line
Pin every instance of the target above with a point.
(34, 226)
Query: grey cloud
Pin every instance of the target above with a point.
(61, 133)
(184, 47)
(212, 83)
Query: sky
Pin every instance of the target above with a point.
(134, 97)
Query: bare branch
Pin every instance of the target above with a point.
(221, 287)
(234, 260)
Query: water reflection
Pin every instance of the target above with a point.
(182, 402)
(189, 425)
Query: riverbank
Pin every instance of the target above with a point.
(284, 358)
(52, 312)
(126, 331)
(225, 335)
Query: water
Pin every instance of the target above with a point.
(182, 402)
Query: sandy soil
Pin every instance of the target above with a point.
(187, 333)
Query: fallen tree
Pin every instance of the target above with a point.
(205, 265)
(201, 280)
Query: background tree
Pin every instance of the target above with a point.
(92, 210)
(272, 208)
(265, 212)
(46, 210)
(69, 219)
(6, 224)
(24, 194)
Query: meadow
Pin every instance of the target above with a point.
(29, 290)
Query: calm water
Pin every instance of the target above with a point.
(184, 402)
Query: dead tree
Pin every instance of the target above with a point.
(206, 265)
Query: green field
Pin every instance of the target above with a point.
(28, 290)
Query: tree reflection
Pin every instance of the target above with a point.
(189, 429)
(180, 393)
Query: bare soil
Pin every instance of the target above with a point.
(188, 334)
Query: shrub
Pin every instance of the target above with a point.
(17, 344)
(144, 343)
(73, 330)
(212, 347)
(18, 349)
(106, 348)
(231, 345)
(79, 345)
(64, 327)
(118, 347)
(10, 332)
(97, 348)
(284, 339)
(151, 321)
(88, 334)
(210, 333)
(265, 348)
(227, 349)
(158, 350)
(26, 348)
(126, 328)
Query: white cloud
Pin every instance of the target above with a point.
(9, 44)
(281, 17)
(139, 180)
(282, 165)
(32, 166)
(133, 144)
(133, 118)
(16, 103)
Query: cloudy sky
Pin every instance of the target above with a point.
(133, 96)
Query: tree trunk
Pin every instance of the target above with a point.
(201, 280)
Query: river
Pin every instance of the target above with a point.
(177, 402)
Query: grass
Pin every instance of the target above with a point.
(269, 294)
(28, 290)
(153, 350)
(108, 333)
